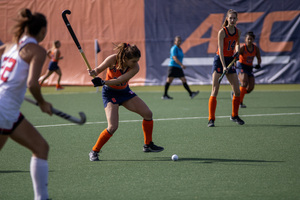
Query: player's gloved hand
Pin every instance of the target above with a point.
(236, 56)
(225, 70)
(257, 67)
(98, 82)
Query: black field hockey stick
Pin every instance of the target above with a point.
(228, 67)
(96, 81)
(61, 114)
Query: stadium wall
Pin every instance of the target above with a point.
(152, 26)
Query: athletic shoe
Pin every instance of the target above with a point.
(166, 97)
(152, 148)
(94, 156)
(243, 105)
(59, 87)
(194, 94)
(211, 123)
(237, 119)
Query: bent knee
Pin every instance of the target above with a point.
(237, 93)
(42, 150)
(112, 129)
(148, 115)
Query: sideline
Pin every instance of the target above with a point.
(167, 119)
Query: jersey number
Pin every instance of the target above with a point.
(231, 45)
(7, 67)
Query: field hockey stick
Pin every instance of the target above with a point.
(96, 81)
(228, 67)
(61, 114)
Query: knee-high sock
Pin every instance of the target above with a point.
(39, 177)
(212, 105)
(243, 92)
(103, 138)
(185, 85)
(235, 106)
(167, 85)
(147, 129)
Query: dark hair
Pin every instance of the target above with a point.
(128, 51)
(33, 22)
(230, 11)
(250, 33)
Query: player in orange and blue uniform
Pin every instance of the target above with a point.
(245, 66)
(228, 43)
(121, 67)
(54, 55)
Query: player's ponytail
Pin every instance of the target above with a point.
(125, 50)
(33, 22)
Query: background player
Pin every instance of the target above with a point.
(228, 42)
(175, 69)
(21, 65)
(54, 55)
(245, 66)
(121, 67)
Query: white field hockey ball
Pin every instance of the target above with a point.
(174, 157)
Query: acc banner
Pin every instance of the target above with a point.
(275, 24)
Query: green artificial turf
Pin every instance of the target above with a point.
(259, 160)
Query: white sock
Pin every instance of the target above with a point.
(39, 176)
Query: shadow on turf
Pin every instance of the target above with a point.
(254, 125)
(273, 125)
(221, 160)
(13, 171)
(203, 160)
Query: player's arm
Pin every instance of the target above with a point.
(56, 55)
(125, 77)
(221, 37)
(237, 44)
(35, 56)
(49, 53)
(242, 50)
(178, 61)
(107, 63)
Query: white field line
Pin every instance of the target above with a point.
(169, 119)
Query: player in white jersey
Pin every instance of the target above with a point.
(21, 65)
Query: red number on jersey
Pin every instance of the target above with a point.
(7, 67)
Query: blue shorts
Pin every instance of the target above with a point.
(53, 66)
(218, 67)
(16, 124)
(244, 69)
(116, 96)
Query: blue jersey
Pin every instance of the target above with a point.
(175, 51)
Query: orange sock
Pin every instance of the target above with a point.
(235, 106)
(243, 92)
(212, 105)
(148, 129)
(103, 138)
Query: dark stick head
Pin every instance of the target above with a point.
(66, 12)
(82, 117)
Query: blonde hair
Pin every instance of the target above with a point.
(230, 11)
